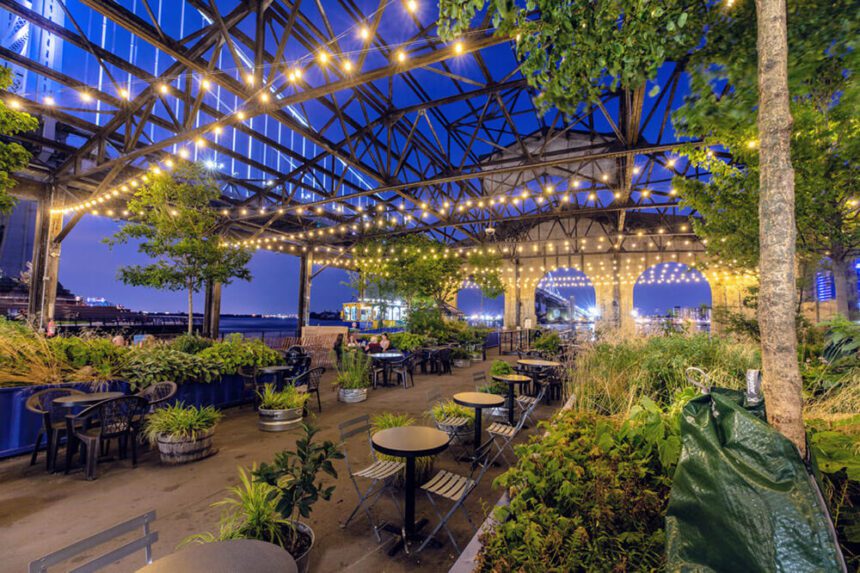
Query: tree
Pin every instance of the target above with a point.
(173, 220)
(824, 144)
(13, 156)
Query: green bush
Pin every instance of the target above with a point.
(191, 343)
(584, 497)
(549, 342)
(179, 420)
(147, 365)
(103, 359)
(407, 341)
(286, 399)
(451, 409)
(235, 352)
(500, 368)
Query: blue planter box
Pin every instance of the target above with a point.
(18, 427)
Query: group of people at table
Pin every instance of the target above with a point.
(374, 345)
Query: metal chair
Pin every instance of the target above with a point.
(456, 488)
(380, 473)
(250, 384)
(454, 426)
(85, 545)
(502, 434)
(53, 422)
(311, 379)
(402, 371)
(117, 418)
(480, 379)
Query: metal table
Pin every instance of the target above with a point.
(385, 358)
(409, 442)
(478, 401)
(245, 555)
(538, 363)
(77, 400)
(278, 373)
(511, 380)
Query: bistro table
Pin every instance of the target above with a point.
(538, 363)
(76, 400)
(386, 358)
(478, 401)
(409, 442)
(277, 372)
(511, 380)
(245, 555)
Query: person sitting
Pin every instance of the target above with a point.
(353, 342)
(385, 343)
(374, 346)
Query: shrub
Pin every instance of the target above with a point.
(145, 366)
(27, 357)
(287, 399)
(96, 359)
(235, 352)
(500, 368)
(451, 409)
(191, 343)
(407, 341)
(181, 421)
(353, 372)
(549, 342)
(583, 498)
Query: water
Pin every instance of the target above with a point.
(258, 326)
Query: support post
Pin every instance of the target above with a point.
(212, 310)
(46, 264)
(306, 265)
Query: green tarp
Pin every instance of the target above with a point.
(742, 500)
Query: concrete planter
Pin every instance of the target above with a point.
(279, 420)
(462, 362)
(184, 449)
(352, 395)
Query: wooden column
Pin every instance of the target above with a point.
(45, 264)
(306, 265)
(212, 310)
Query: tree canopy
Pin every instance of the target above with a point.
(173, 222)
(13, 156)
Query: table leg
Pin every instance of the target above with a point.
(409, 519)
(477, 429)
(511, 404)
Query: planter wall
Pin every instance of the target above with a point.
(18, 427)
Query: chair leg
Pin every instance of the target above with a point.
(92, 458)
(36, 446)
(133, 449)
(53, 447)
(319, 403)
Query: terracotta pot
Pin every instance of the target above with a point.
(184, 449)
(279, 420)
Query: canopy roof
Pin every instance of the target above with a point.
(327, 122)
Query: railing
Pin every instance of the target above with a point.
(512, 340)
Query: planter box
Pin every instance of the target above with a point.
(279, 420)
(352, 396)
(183, 450)
(462, 362)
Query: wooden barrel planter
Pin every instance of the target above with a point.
(185, 449)
(352, 395)
(279, 420)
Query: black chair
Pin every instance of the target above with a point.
(53, 422)
(159, 394)
(250, 384)
(402, 370)
(310, 379)
(443, 361)
(117, 418)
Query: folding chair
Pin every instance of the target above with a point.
(452, 425)
(456, 488)
(502, 434)
(480, 379)
(380, 473)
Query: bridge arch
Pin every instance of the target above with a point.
(671, 295)
(563, 297)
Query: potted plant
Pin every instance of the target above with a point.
(293, 475)
(548, 344)
(183, 433)
(450, 409)
(461, 357)
(280, 411)
(423, 465)
(498, 368)
(353, 377)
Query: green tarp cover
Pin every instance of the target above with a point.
(742, 500)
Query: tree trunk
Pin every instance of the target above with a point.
(190, 310)
(845, 282)
(781, 381)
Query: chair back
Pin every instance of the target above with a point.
(249, 376)
(354, 427)
(117, 415)
(479, 378)
(434, 396)
(42, 403)
(311, 378)
(159, 394)
(86, 545)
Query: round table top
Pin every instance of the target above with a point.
(512, 378)
(479, 399)
(386, 355)
(539, 363)
(410, 441)
(89, 398)
(269, 369)
(246, 555)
